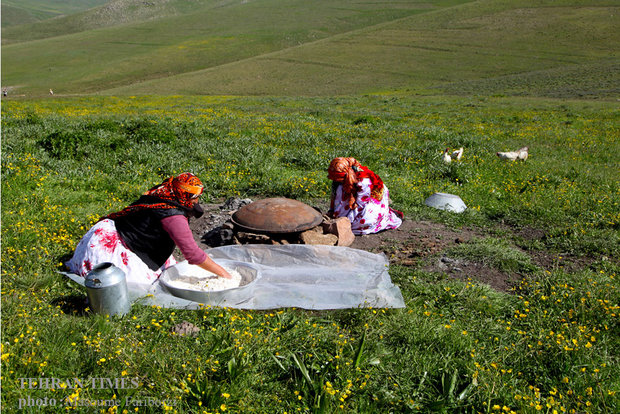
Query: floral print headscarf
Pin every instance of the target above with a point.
(174, 192)
(183, 189)
(348, 172)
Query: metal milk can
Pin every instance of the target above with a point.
(106, 288)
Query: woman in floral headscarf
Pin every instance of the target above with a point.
(141, 238)
(360, 195)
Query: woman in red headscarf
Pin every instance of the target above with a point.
(360, 195)
(141, 238)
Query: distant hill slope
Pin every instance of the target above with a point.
(562, 49)
(209, 34)
(19, 12)
(110, 13)
(554, 48)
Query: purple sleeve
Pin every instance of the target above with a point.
(177, 227)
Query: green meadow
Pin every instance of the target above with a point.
(550, 344)
(256, 99)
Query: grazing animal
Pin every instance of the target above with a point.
(51, 92)
(457, 154)
(446, 158)
(523, 153)
(520, 154)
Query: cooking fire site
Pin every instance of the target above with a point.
(268, 253)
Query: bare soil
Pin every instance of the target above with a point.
(421, 245)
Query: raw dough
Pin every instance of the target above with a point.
(205, 281)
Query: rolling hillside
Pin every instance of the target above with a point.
(551, 48)
(110, 13)
(211, 35)
(486, 47)
(20, 12)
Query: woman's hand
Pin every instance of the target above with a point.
(210, 266)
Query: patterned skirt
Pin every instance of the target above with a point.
(102, 244)
(370, 215)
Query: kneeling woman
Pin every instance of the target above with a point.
(141, 238)
(360, 195)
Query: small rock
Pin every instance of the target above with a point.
(185, 328)
(341, 227)
(315, 237)
(218, 236)
(226, 234)
(449, 260)
(235, 203)
(253, 237)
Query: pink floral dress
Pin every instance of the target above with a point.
(370, 215)
(102, 244)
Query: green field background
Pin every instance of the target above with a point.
(550, 344)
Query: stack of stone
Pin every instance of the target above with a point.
(332, 232)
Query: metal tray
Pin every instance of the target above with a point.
(277, 215)
(179, 272)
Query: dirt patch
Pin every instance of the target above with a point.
(560, 261)
(417, 244)
(422, 244)
(413, 241)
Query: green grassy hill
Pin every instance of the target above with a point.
(557, 48)
(112, 13)
(20, 12)
(216, 34)
(484, 47)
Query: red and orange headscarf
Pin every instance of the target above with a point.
(174, 192)
(183, 189)
(348, 172)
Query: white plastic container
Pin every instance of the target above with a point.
(444, 201)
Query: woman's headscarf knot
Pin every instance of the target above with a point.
(183, 188)
(348, 172)
(174, 192)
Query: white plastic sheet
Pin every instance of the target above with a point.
(301, 276)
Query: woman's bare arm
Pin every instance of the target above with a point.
(210, 266)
